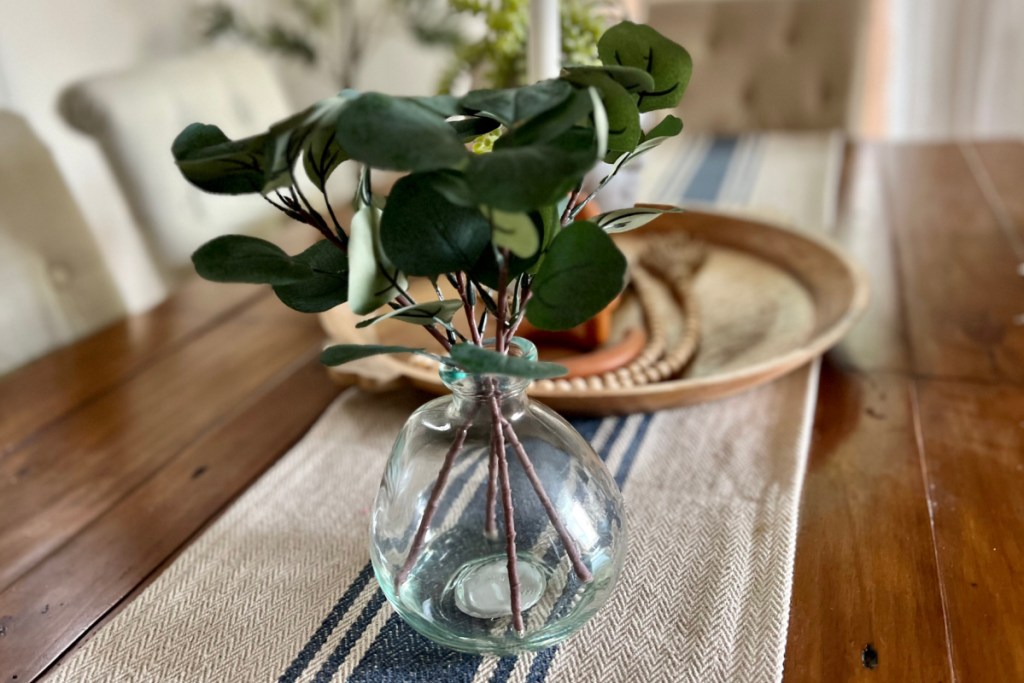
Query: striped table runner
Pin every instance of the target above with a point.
(280, 588)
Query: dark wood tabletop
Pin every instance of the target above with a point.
(119, 450)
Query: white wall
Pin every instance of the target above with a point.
(956, 68)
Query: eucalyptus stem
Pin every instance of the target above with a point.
(432, 502)
(497, 446)
(567, 214)
(502, 319)
(405, 300)
(340, 231)
(510, 525)
(570, 546)
(461, 286)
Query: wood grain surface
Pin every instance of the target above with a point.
(908, 551)
(118, 450)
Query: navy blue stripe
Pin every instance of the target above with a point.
(328, 625)
(541, 664)
(504, 669)
(630, 456)
(352, 637)
(707, 181)
(616, 433)
(587, 426)
(400, 655)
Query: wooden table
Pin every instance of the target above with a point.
(117, 451)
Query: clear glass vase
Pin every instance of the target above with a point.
(439, 537)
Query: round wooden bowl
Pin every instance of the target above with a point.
(770, 299)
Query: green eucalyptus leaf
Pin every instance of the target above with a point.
(524, 178)
(480, 361)
(600, 121)
(669, 127)
(326, 288)
(513, 230)
(452, 185)
(620, 106)
(212, 162)
(441, 105)
(420, 314)
(340, 354)
(370, 273)
(629, 77)
(240, 258)
(398, 134)
(423, 233)
(485, 271)
(624, 220)
(513, 105)
(640, 46)
(321, 155)
(582, 272)
(548, 125)
(472, 127)
(311, 133)
(549, 218)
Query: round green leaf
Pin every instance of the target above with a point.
(212, 162)
(370, 273)
(426, 313)
(549, 124)
(240, 258)
(480, 361)
(346, 353)
(423, 233)
(513, 105)
(325, 288)
(514, 231)
(630, 78)
(582, 272)
(641, 47)
(524, 178)
(398, 134)
(623, 116)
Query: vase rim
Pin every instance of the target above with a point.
(462, 382)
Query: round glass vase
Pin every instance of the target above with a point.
(440, 540)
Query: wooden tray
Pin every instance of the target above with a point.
(770, 300)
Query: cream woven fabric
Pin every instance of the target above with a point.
(280, 587)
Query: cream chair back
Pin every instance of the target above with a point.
(54, 284)
(767, 64)
(135, 116)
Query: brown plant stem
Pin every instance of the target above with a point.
(573, 198)
(510, 528)
(521, 313)
(570, 546)
(497, 446)
(462, 286)
(406, 301)
(432, 502)
(502, 317)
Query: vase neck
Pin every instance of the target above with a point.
(472, 389)
(477, 389)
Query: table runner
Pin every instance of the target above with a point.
(280, 587)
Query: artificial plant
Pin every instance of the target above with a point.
(497, 220)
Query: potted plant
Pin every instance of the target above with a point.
(489, 205)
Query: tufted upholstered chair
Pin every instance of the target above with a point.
(135, 116)
(54, 284)
(766, 64)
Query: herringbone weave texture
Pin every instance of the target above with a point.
(279, 588)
